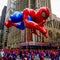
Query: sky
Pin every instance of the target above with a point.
(2, 4)
(55, 6)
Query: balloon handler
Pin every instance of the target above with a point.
(29, 18)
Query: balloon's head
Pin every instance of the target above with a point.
(43, 12)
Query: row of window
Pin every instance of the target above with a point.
(56, 24)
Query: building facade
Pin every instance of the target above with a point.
(16, 36)
(56, 28)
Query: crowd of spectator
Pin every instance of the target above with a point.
(28, 54)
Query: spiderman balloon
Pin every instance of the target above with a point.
(29, 18)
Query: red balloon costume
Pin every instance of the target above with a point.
(37, 23)
(38, 19)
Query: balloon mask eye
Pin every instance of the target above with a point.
(43, 14)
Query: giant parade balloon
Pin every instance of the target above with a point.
(29, 18)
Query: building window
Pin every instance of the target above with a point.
(22, 4)
(39, 3)
(49, 24)
(42, 3)
(42, 39)
(59, 25)
(55, 23)
(32, 2)
(13, 4)
(50, 33)
(57, 35)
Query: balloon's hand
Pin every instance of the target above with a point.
(45, 35)
(7, 23)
